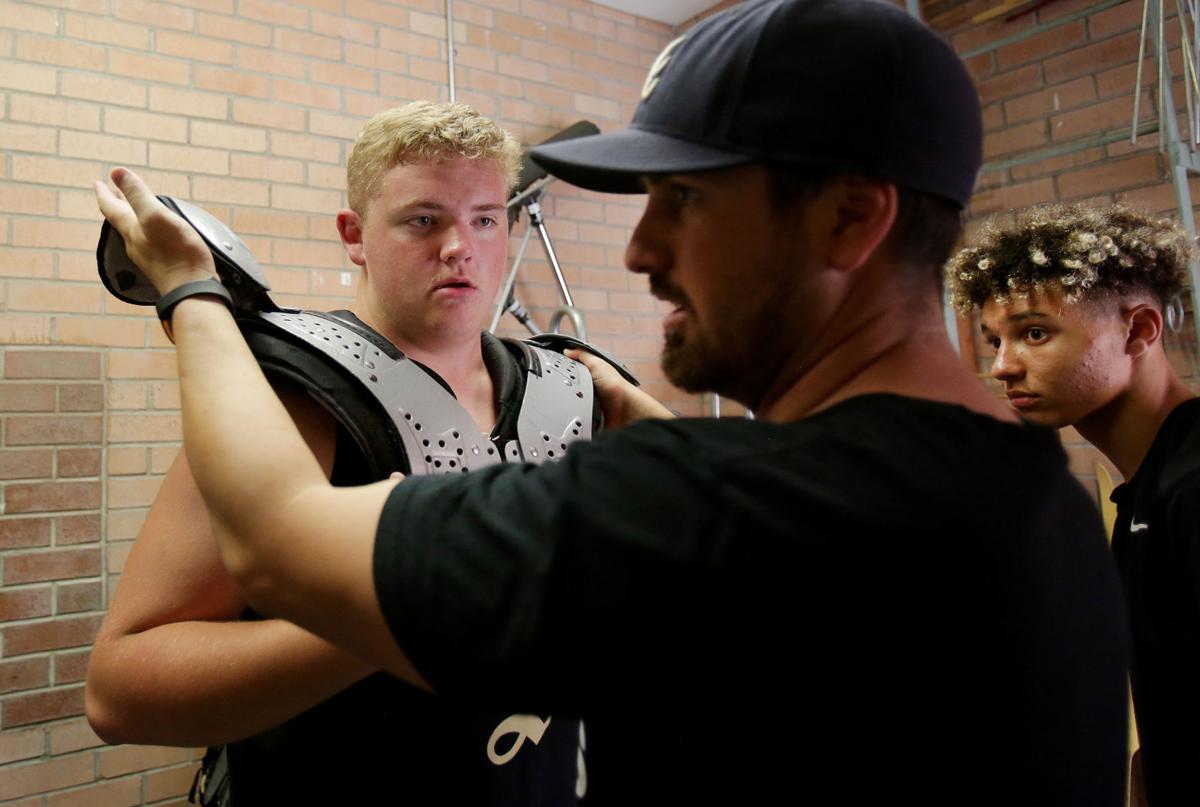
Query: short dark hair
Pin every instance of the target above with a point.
(1086, 251)
(925, 231)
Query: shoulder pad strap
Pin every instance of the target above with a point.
(558, 342)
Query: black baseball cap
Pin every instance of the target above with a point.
(845, 85)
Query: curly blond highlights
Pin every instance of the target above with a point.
(1084, 251)
(425, 132)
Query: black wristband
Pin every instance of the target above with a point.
(166, 304)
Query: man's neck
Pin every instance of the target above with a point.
(1125, 429)
(458, 361)
(877, 344)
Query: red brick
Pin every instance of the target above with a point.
(127, 759)
(51, 565)
(31, 464)
(1025, 137)
(111, 32)
(234, 82)
(126, 492)
(26, 397)
(80, 529)
(51, 364)
(188, 102)
(1106, 115)
(39, 777)
(75, 462)
(24, 674)
(1050, 100)
(238, 30)
(116, 793)
(72, 598)
(23, 532)
(52, 296)
(125, 460)
(264, 60)
(162, 784)
(198, 48)
(1110, 21)
(1010, 82)
(54, 111)
(25, 744)
(1013, 196)
(27, 77)
(1041, 45)
(1115, 175)
(24, 430)
(71, 668)
(189, 158)
(24, 603)
(72, 735)
(38, 637)
(159, 15)
(89, 87)
(142, 365)
(1081, 61)
(49, 496)
(22, 17)
(81, 397)
(275, 13)
(150, 68)
(21, 710)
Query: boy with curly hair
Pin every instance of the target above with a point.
(1072, 300)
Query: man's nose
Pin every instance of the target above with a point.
(645, 251)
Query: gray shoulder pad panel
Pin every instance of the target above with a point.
(557, 407)
(439, 435)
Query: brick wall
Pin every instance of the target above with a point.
(1057, 88)
(246, 107)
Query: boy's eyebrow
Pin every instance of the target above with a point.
(1018, 317)
(427, 205)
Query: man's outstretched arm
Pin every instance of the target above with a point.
(299, 548)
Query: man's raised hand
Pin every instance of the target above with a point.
(161, 243)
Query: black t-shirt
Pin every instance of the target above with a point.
(382, 741)
(1156, 541)
(891, 599)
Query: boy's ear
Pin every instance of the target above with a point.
(1144, 323)
(349, 227)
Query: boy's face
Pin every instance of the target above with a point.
(1060, 362)
(433, 245)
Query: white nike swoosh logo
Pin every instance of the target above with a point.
(1136, 527)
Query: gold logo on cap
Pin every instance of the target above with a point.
(660, 64)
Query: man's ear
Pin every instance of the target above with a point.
(866, 211)
(349, 227)
(1144, 326)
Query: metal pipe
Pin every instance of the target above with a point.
(571, 313)
(1182, 160)
(1137, 83)
(534, 208)
(502, 301)
(450, 44)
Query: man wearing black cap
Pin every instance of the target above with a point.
(882, 587)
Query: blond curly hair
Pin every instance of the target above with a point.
(1084, 251)
(425, 132)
